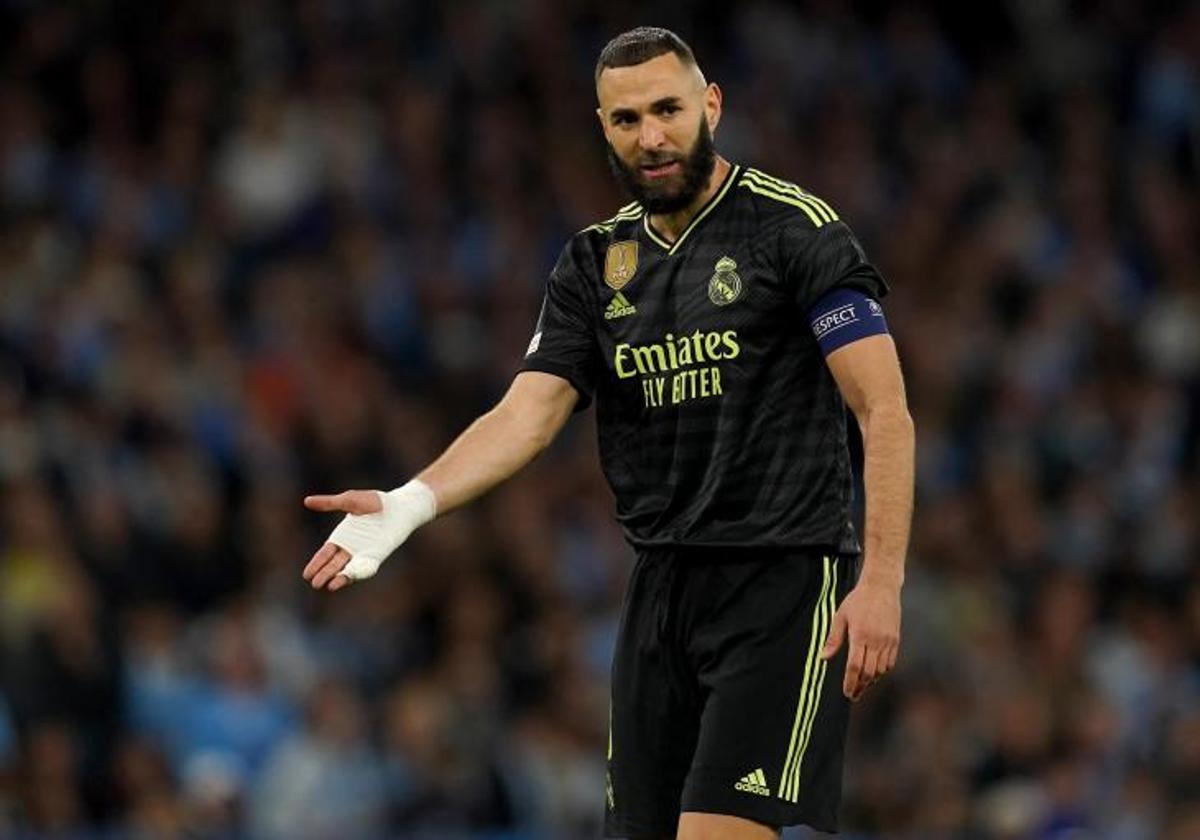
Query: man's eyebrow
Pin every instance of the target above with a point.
(665, 102)
(655, 106)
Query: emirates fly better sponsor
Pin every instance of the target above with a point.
(679, 368)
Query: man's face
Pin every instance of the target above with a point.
(658, 118)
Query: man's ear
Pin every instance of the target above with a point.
(712, 106)
(603, 124)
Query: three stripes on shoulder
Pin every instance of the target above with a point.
(761, 183)
(758, 182)
(630, 211)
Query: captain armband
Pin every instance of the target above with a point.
(843, 316)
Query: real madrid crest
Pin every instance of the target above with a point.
(725, 285)
(620, 263)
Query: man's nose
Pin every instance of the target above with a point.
(651, 135)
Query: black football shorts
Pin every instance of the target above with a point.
(720, 701)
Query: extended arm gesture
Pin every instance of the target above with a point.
(376, 524)
(493, 448)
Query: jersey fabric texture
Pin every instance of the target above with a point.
(721, 702)
(719, 422)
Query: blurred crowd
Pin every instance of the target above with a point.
(254, 250)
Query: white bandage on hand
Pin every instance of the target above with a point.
(371, 537)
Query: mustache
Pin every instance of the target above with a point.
(657, 158)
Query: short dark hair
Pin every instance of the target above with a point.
(640, 45)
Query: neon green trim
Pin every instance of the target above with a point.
(811, 664)
(763, 180)
(812, 215)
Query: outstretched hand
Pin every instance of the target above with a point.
(870, 615)
(325, 567)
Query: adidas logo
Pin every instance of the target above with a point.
(754, 782)
(619, 307)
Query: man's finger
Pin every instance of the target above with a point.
(338, 582)
(869, 671)
(854, 666)
(325, 503)
(893, 654)
(358, 502)
(331, 568)
(319, 559)
(836, 635)
(316, 566)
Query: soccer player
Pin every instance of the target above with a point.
(721, 323)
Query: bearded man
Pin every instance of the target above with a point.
(721, 323)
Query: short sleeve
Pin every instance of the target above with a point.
(816, 261)
(564, 341)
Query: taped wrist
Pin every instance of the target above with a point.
(370, 538)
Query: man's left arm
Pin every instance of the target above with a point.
(867, 372)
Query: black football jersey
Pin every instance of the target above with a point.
(719, 421)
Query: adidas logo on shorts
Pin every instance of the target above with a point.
(754, 782)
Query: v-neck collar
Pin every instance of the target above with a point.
(696, 220)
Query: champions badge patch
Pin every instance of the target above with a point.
(725, 285)
(620, 263)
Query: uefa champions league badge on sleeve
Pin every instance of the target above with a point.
(725, 285)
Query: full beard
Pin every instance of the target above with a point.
(697, 165)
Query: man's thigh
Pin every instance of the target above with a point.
(697, 826)
(721, 708)
(655, 715)
(773, 725)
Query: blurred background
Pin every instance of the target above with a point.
(251, 251)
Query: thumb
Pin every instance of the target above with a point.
(349, 501)
(837, 635)
(325, 503)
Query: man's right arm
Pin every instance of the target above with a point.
(492, 449)
(502, 441)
